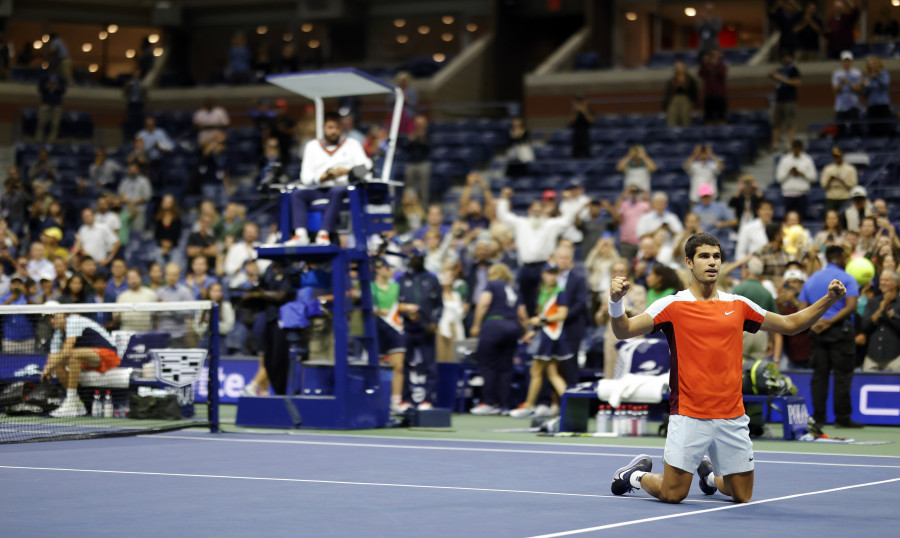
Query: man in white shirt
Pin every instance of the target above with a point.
(752, 236)
(210, 121)
(244, 250)
(704, 167)
(136, 293)
(662, 224)
(536, 236)
(326, 162)
(38, 264)
(95, 240)
(574, 201)
(136, 191)
(860, 208)
(106, 217)
(796, 172)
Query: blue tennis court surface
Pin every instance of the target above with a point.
(200, 484)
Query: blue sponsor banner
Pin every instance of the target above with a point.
(234, 374)
(875, 397)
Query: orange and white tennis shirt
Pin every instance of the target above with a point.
(706, 351)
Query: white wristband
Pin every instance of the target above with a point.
(617, 308)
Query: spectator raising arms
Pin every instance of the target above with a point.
(876, 85)
(680, 97)
(796, 172)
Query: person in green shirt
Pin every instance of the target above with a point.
(756, 345)
(662, 281)
(389, 328)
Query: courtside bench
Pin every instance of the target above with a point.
(790, 411)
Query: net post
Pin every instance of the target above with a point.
(212, 398)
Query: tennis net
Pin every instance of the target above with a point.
(77, 371)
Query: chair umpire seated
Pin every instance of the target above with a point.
(333, 161)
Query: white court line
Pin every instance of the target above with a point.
(542, 443)
(478, 449)
(708, 510)
(336, 482)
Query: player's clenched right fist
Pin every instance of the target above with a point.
(618, 288)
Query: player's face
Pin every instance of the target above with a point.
(706, 264)
(332, 131)
(58, 321)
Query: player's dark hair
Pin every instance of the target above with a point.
(331, 116)
(698, 239)
(772, 230)
(834, 253)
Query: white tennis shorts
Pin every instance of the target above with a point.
(727, 441)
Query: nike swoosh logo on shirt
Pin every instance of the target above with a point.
(732, 312)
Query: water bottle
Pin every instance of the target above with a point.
(97, 405)
(108, 406)
(602, 419)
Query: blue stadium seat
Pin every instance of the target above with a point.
(587, 60)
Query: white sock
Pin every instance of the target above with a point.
(395, 398)
(636, 479)
(301, 232)
(711, 480)
(71, 394)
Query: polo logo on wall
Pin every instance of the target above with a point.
(178, 367)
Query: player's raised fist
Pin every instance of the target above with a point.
(836, 290)
(618, 288)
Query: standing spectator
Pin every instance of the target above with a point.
(832, 342)
(840, 27)
(637, 167)
(599, 263)
(573, 282)
(157, 144)
(210, 121)
(757, 344)
(704, 167)
(59, 58)
(135, 100)
(450, 326)
(796, 347)
(786, 14)
(574, 202)
(775, 259)
(860, 208)
(475, 214)
(662, 224)
(680, 97)
(239, 60)
(832, 232)
(881, 325)
(498, 325)
(203, 241)
(422, 306)
(752, 235)
(52, 87)
(418, 166)
(714, 74)
(135, 293)
(808, 32)
(95, 240)
(630, 207)
(876, 86)
(745, 201)
(519, 151)
(38, 264)
(410, 102)
(103, 172)
(716, 218)
(167, 229)
(580, 119)
(708, 27)
(796, 172)
(787, 80)
(117, 281)
(105, 216)
(838, 178)
(282, 128)
(135, 192)
(594, 223)
(176, 323)
(42, 172)
(846, 83)
(536, 236)
(14, 202)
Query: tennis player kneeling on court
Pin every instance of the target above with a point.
(704, 328)
(78, 343)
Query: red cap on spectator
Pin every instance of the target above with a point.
(549, 194)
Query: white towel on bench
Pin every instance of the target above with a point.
(115, 378)
(632, 388)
